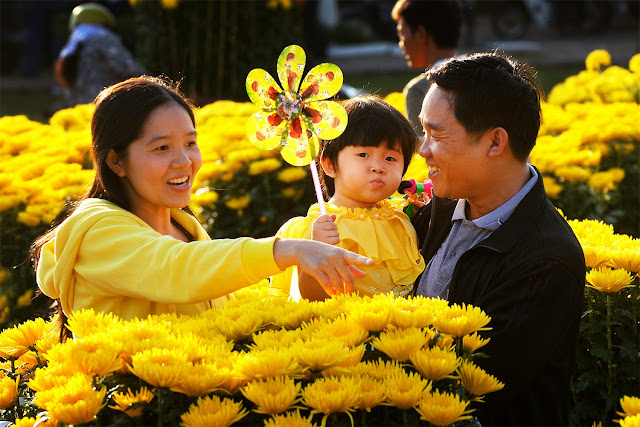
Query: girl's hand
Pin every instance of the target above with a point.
(325, 230)
(334, 268)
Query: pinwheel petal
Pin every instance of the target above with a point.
(300, 150)
(262, 89)
(265, 130)
(326, 119)
(322, 82)
(291, 64)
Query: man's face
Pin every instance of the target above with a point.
(412, 45)
(457, 160)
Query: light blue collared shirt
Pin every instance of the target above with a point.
(465, 234)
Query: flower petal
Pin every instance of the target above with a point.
(322, 82)
(262, 89)
(265, 130)
(300, 150)
(326, 119)
(291, 64)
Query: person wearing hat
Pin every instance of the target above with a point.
(94, 57)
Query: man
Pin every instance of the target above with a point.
(491, 238)
(429, 32)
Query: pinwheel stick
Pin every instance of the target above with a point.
(316, 184)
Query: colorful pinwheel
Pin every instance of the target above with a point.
(295, 120)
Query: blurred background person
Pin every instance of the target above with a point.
(94, 56)
(429, 33)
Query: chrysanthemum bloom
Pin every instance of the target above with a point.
(443, 409)
(416, 312)
(331, 395)
(46, 421)
(50, 377)
(94, 356)
(320, 354)
(596, 256)
(292, 174)
(276, 338)
(435, 363)
(16, 341)
(628, 259)
(458, 321)
(75, 402)
(400, 344)
(25, 422)
(159, 367)
(634, 63)
(476, 381)
(608, 280)
(8, 392)
(290, 419)
(371, 315)
(406, 390)
(125, 402)
(293, 315)
(354, 357)
(239, 324)
(86, 322)
(27, 362)
(213, 411)
(273, 395)
(371, 394)
(198, 379)
(596, 59)
(342, 329)
(267, 363)
(630, 406)
(630, 421)
(473, 342)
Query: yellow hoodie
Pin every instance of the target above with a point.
(106, 258)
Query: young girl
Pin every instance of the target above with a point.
(131, 247)
(359, 171)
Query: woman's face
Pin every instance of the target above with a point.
(160, 166)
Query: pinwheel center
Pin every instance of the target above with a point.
(289, 105)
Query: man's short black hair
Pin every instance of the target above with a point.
(442, 19)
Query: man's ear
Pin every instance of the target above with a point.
(115, 164)
(328, 166)
(498, 141)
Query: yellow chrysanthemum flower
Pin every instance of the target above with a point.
(370, 315)
(476, 381)
(458, 321)
(318, 354)
(630, 406)
(627, 259)
(213, 411)
(273, 395)
(50, 377)
(8, 392)
(634, 63)
(354, 356)
(597, 59)
(75, 402)
(40, 421)
(372, 393)
(292, 174)
(473, 342)
(400, 344)
(416, 312)
(260, 167)
(406, 390)
(342, 329)
(238, 203)
(331, 395)
(574, 174)
(596, 256)
(267, 363)
(169, 4)
(290, 419)
(630, 421)
(608, 280)
(435, 363)
(159, 367)
(16, 341)
(95, 356)
(86, 322)
(443, 409)
(125, 402)
(199, 379)
(25, 422)
(293, 315)
(276, 339)
(552, 187)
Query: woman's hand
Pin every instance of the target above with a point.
(325, 230)
(334, 268)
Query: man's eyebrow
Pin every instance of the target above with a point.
(431, 125)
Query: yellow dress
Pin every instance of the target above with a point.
(383, 233)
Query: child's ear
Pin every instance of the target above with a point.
(328, 167)
(115, 164)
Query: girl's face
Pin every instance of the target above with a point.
(160, 166)
(365, 175)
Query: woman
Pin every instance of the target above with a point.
(132, 248)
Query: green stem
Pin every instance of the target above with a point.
(405, 421)
(610, 354)
(160, 397)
